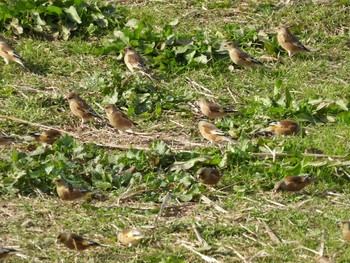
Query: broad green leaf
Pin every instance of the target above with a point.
(132, 23)
(201, 59)
(16, 25)
(342, 104)
(174, 22)
(72, 14)
(190, 55)
(54, 10)
(187, 164)
(120, 35)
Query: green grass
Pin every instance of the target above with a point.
(311, 88)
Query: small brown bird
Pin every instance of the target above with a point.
(9, 54)
(130, 237)
(74, 241)
(284, 127)
(134, 61)
(212, 133)
(6, 252)
(80, 108)
(207, 175)
(69, 193)
(345, 226)
(241, 58)
(118, 119)
(47, 137)
(289, 42)
(212, 109)
(5, 140)
(293, 183)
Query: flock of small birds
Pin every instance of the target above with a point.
(121, 122)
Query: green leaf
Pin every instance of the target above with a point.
(54, 10)
(132, 23)
(342, 104)
(201, 59)
(72, 14)
(288, 100)
(276, 91)
(174, 22)
(177, 166)
(120, 35)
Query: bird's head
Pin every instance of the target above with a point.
(71, 96)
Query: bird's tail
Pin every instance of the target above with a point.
(11, 139)
(96, 195)
(230, 110)
(18, 59)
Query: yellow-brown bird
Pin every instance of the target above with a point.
(5, 140)
(118, 119)
(293, 183)
(9, 54)
(80, 108)
(130, 237)
(212, 109)
(345, 226)
(207, 175)
(212, 133)
(47, 137)
(69, 193)
(289, 42)
(241, 58)
(74, 241)
(134, 61)
(284, 127)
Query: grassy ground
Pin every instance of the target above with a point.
(32, 215)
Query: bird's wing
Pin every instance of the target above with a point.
(83, 106)
(215, 107)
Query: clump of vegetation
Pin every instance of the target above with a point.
(60, 19)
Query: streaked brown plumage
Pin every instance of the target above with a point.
(240, 57)
(130, 237)
(289, 42)
(133, 60)
(80, 108)
(6, 252)
(284, 127)
(212, 109)
(345, 226)
(118, 119)
(9, 54)
(212, 133)
(293, 183)
(48, 136)
(74, 241)
(208, 175)
(69, 193)
(5, 140)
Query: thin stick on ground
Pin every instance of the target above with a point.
(269, 231)
(321, 251)
(237, 253)
(204, 257)
(163, 206)
(198, 85)
(211, 203)
(199, 236)
(231, 94)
